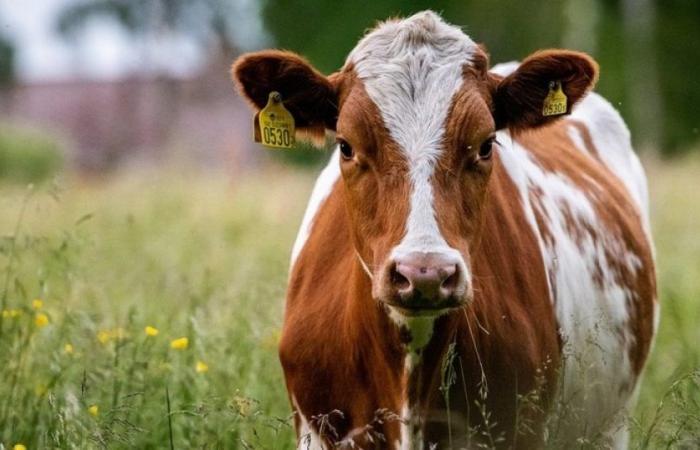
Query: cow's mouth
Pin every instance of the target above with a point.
(418, 307)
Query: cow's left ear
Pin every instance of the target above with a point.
(519, 98)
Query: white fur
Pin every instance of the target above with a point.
(323, 187)
(410, 430)
(593, 320)
(505, 69)
(411, 69)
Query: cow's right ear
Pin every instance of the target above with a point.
(308, 95)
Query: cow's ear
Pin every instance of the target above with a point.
(309, 96)
(519, 98)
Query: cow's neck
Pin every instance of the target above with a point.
(421, 331)
(422, 340)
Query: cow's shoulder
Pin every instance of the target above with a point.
(596, 119)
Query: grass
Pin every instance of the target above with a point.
(200, 256)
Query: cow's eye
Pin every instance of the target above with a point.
(486, 149)
(345, 149)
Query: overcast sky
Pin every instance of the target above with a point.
(103, 50)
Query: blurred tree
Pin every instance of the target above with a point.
(641, 77)
(7, 53)
(326, 31)
(200, 19)
(647, 48)
(677, 46)
(7, 59)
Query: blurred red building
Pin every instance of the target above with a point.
(109, 123)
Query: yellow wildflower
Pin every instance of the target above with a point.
(11, 313)
(19, 447)
(68, 349)
(37, 303)
(201, 367)
(180, 344)
(103, 336)
(151, 331)
(41, 320)
(94, 410)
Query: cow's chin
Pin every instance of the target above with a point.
(417, 307)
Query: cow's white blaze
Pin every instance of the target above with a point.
(411, 70)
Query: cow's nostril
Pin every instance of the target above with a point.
(451, 281)
(423, 269)
(398, 280)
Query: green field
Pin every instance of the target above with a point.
(201, 256)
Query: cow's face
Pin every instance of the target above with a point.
(415, 112)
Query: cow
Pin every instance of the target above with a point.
(474, 269)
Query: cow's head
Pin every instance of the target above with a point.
(415, 112)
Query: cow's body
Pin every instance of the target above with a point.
(566, 280)
(444, 293)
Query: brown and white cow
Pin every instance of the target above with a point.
(469, 271)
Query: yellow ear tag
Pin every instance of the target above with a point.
(276, 124)
(555, 101)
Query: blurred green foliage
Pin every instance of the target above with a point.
(646, 58)
(6, 61)
(28, 156)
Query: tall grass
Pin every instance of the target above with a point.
(196, 256)
(188, 256)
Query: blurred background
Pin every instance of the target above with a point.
(100, 84)
(132, 198)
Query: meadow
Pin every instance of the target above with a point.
(143, 310)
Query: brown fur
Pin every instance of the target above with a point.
(308, 95)
(519, 97)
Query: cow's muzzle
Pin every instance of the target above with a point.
(424, 283)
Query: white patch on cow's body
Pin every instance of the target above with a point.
(323, 187)
(410, 431)
(505, 69)
(411, 69)
(421, 329)
(597, 380)
(611, 137)
(577, 138)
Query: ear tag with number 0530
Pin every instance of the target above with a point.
(274, 124)
(555, 101)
